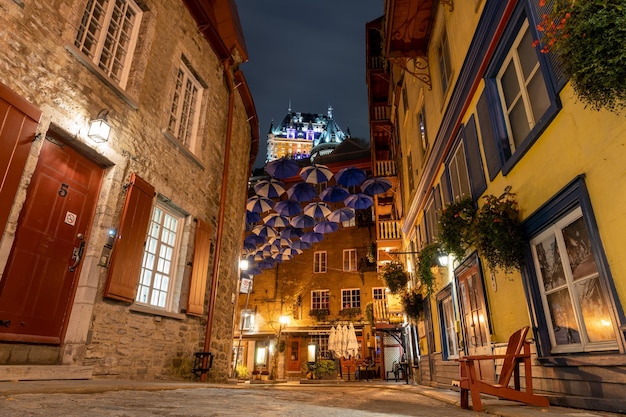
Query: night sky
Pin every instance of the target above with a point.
(309, 53)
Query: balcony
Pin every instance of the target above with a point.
(389, 230)
(385, 168)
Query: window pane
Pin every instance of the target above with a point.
(564, 323)
(549, 259)
(519, 123)
(510, 84)
(578, 248)
(595, 311)
(538, 93)
(527, 55)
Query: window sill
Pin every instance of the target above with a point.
(603, 359)
(102, 76)
(183, 149)
(138, 308)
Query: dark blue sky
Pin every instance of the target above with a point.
(309, 53)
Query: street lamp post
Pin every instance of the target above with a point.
(243, 266)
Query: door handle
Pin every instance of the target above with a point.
(77, 253)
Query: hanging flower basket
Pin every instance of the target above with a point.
(455, 227)
(413, 303)
(395, 277)
(428, 259)
(589, 37)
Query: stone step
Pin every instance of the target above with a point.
(44, 372)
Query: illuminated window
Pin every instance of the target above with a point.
(349, 260)
(320, 299)
(351, 298)
(319, 262)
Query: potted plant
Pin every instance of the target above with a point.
(242, 372)
(395, 276)
(323, 368)
(413, 303)
(350, 313)
(498, 233)
(369, 312)
(371, 253)
(319, 313)
(589, 38)
(455, 227)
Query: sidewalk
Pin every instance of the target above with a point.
(491, 406)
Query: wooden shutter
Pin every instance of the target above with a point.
(129, 243)
(199, 274)
(478, 183)
(492, 153)
(18, 123)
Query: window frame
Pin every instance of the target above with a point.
(320, 262)
(320, 299)
(350, 298)
(444, 61)
(447, 296)
(456, 173)
(352, 260)
(382, 290)
(246, 320)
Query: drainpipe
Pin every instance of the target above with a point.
(220, 220)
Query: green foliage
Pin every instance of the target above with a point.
(371, 253)
(323, 367)
(498, 232)
(412, 303)
(350, 313)
(590, 38)
(242, 372)
(320, 313)
(428, 259)
(369, 312)
(455, 227)
(395, 276)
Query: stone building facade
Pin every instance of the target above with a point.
(99, 301)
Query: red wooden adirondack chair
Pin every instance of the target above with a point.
(471, 381)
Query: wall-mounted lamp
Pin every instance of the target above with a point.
(99, 128)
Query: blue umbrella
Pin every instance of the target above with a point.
(269, 188)
(341, 215)
(291, 251)
(317, 209)
(282, 168)
(253, 270)
(265, 231)
(276, 220)
(249, 246)
(300, 244)
(359, 201)
(267, 263)
(325, 227)
(252, 217)
(288, 208)
(316, 174)
(312, 237)
(302, 221)
(291, 232)
(350, 176)
(302, 191)
(281, 241)
(259, 204)
(375, 186)
(334, 194)
(255, 239)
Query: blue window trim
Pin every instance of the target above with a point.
(520, 14)
(445, 293)
(573, 195)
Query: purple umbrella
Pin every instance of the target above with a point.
(252, 217)
(282, 168)
(317, 209)
(255, 239)
(253, 270)
(375, 186)
(300, 244)
(302, 191)
(334, 194)
(265, 231)
(316, 174)
(259, 204)
(269, 188)
(325, 227)
(280, 241)
(302, 221)
(359, 201)
(249, 246)
(291, 251)
(341, 215)
(267, 263)
(312, 237)
(276, 220)
(291, 232)
(288, 208)
(350, 176)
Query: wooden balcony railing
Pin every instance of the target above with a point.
(389, 230)
(386, 168)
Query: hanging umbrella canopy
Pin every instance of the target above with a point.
(326, 227)
(312, 237)
(291, 232)
(316, 174)
(265, 231)
(255, 239)
(288, 207)
(249, 246)
(341, 215)
(276, 220)
(291, 251)
(375, 186)
(282, 168)
(269, 188)
(252, 217)
(302, 221)
(300, 244)
(359, 201)
(282, 257)
(259, 204)
(302, 191)
(334, 194)
(280, 241)
(350, 176)
(352, 344)
(266, 263)
(317, 209)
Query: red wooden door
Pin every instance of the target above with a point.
(39, 280)
(293, 354)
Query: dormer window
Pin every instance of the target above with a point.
(291, 133)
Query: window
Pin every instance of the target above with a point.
(158, 268)
(574, 300)
(409, 167)
(320, 299)
(379, 293)
(522, 88)
(351, 298)
(431, 221)
(319, 262)
(349, 260)
(107, 35)
(352, 221)
(448, 322)
(445, 66)
(321, 340)
(459, 180)
(421, 123)
(247, 320)
(185, 110)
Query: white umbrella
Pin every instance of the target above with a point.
(344, 342)
(353, 343)
(332, 340)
